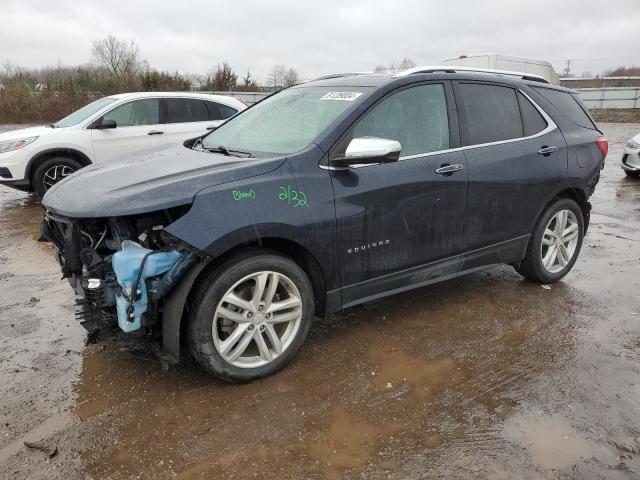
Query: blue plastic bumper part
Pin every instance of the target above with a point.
(127, 264)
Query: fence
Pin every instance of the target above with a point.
(610, 97)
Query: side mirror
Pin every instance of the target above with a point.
(105, 124)
(367, 151)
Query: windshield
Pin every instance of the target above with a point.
(84, 113)
(286, 122)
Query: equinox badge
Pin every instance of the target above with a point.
(368, 246)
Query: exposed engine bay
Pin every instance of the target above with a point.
(120, 268)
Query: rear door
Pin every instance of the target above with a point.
(517, 160)
(138, 128)
(185, 118)
(395, 218)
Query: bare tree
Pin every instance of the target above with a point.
(405, 64)
(623, 72)
(276, 76)
(290, 78)
(282, 76)
(119, 57)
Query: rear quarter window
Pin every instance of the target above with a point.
(218, 111)
(569, 105)
(533, 122)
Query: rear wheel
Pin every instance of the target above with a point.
(51, 171)
(555, 243)
(252, 317)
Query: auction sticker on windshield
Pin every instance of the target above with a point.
(342, 96)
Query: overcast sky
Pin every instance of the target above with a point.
(323, 36)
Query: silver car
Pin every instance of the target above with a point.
(631, 157)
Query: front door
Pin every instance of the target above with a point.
(400, 224)
(138, 127)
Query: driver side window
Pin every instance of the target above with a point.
(416, 117)
(136, 113)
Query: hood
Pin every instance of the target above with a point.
(152, 181)
(40, 131)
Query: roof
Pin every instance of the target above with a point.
(225, 99)
(447, 72)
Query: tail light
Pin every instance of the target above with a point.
(603, 145)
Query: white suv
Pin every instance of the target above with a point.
(33, 159)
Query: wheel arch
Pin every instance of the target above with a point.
(576, 194)
(39, 157)
(179, 302)
(285, 247)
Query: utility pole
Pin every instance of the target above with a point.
(567, 68)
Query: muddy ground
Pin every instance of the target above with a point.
(486, 376)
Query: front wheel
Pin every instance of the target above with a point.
(632, 174)
(51, 171)
(251, 316)
(555, 243)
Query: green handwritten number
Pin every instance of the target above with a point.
(302, 202)
(293, 197)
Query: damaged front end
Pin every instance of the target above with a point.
(122, 268)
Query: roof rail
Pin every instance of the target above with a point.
(339, 75)
(455, 69)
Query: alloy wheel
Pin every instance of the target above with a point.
(559, 241)
(54, 174)
(257, 319)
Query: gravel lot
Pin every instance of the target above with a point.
(485, 376)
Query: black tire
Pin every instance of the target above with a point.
(632, 174)
(209, 295)
(40, 184)
(532, 267)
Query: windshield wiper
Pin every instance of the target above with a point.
(229, 152)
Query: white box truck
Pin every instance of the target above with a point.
(498, 61)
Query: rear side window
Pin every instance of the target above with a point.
(567, 104)
(416, 117)
(184, 110)
(217, 111)
(491, 113)
(532, 121)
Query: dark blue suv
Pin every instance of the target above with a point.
(323, 196)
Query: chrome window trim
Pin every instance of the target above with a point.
(551, 126)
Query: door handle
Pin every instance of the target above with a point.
(448, 170)
(155, 132)
(546, 151)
